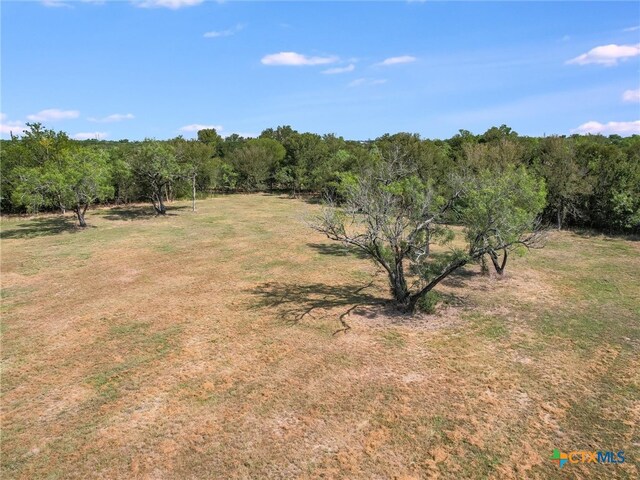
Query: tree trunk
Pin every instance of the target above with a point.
(399, 288)
(452, 267)
(158, 205)
(484, 268)
(499, 266)
(193, 185)
(559, 215)
(162, 210)
(80, 211)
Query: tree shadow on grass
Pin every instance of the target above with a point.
(337, 250)
(297, 302)
(310, 198)
(41, 227)
(136, 212)
(605, 235)
(460, 277)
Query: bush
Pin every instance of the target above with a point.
(428, 302)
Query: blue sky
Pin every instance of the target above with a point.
(161, 68)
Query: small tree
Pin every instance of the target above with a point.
(71, 181)
(255, 162)
(394, 217)
(500, 213)
(155, 168)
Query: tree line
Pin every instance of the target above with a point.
(591, 181)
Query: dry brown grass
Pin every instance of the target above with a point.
(201, 346)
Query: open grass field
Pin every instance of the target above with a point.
(202, 346)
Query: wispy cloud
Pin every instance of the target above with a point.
(115, 117)
(171, 4)
(620, 128)
(194, 127)
(607, 55)
(55, 4)
(53, 114)
(90, 135)
(365, 82)
(8, 127)
(396, 60)
(333, 71)
(294, 59)
(631, 29)
(224, 33)
(632, 96)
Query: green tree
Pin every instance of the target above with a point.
(256, 161)
(500, 213)
(121, 174)
(566, 180)
(393, 217)
(192, 157)
(73, 180)
(210, 137)
(37, 146)
(155, 168)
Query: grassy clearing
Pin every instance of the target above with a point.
(201, 345)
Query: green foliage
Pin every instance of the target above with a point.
(83, 177)
(428, 302)
(566, 179)
(227, 177)
(592, 181)
(54, 175)
(500, 207)
(155, 168)
(211, 138)
(256, 162)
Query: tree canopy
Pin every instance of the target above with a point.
(592, 181)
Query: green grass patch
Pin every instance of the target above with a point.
(392, 339)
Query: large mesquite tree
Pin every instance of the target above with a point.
(394, 217)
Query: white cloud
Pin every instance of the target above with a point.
(115, 117)
(172, 4)
(632, 96)
(8, 127)
(620, 128)
(194, 127)
(365, 82)
(607, 55)
(295, 59)
(224, 33)
(631, 29)
(332, 71)
(90, 135)
(53, 114)
(397, 60)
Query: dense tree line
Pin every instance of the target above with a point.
(591, 181)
